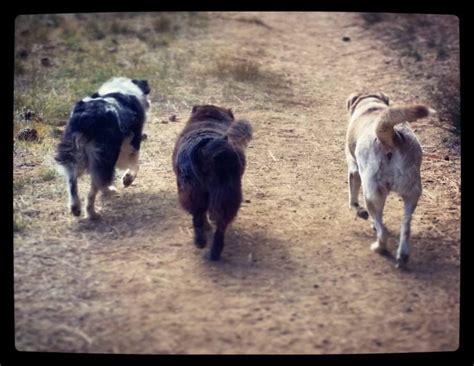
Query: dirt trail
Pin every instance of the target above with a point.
(296, 275)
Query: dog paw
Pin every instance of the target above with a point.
(362, 213)
(93, 216)
(214, 255)
(76, 210)
(402, 261)
(127, 179)
(200, 240)
(110, 191)
(377, 248)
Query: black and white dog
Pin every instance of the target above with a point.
(104, 132)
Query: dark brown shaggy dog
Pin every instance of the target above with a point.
(209, 161)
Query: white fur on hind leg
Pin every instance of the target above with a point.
(377, 247)
(110, 191)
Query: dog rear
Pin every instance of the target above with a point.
(381, 159)
(209, 162)
(104, 132)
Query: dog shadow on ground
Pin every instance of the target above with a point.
(251, 257)
(132, 211)
(431, 257)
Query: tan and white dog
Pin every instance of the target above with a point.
(383, 154)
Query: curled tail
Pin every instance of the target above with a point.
(239, 133)
(394, 115)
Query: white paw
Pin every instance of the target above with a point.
(402, 261)
(377, 247)
(110, 191)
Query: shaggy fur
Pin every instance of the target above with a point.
(103, 133)
(383, 159)
(209, 161)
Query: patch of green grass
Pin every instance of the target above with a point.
(71, 39)
(51, 92)
(46, 174)
(101, 75)
(39, 175)
(19, 224)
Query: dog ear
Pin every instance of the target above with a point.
(350, 101)
(143, 85)
(230, 113)
(384, 97)
(195, 108)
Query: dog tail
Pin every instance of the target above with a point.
(239, 133)
(395, 115)
(68, 149)
(224, 182)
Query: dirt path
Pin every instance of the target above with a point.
(297, 275)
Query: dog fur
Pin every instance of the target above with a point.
(103, 133)
(383, 155)
(209, 161)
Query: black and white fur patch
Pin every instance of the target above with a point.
(104, 132)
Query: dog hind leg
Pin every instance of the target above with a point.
(375, 204)
(74, 202)
(199, 225)
(102, 161)
(404, 246)
(223, 207)
(132, 171)
(354, 188)
(90, 203)
(195, 200)
(110, 191)
(218, 241)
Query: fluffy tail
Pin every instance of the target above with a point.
(67, 150)
(239, 133)
(394, 115)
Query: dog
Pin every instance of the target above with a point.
(104, 132)
(383, 154)
(209, 161)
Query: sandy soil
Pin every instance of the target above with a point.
(297, 274)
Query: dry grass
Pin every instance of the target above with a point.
(76, 281)
(85, 50)
(435, 41)
(238, 69)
